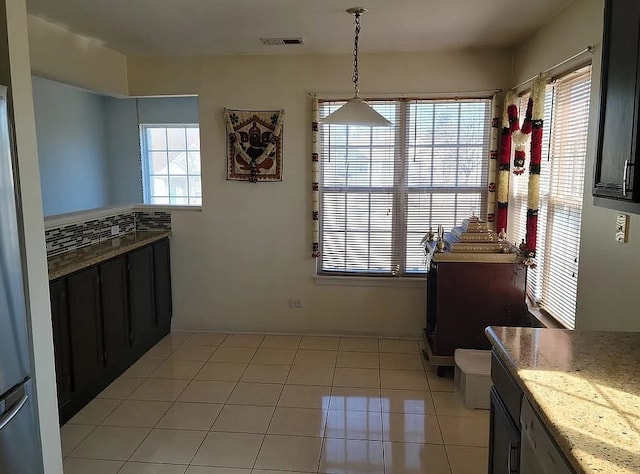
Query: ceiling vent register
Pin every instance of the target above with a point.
(281, 41)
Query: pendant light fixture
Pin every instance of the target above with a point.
(356, 111)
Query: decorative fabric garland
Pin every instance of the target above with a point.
(521, 138)
(509, 121)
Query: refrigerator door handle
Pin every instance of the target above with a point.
(13, 411)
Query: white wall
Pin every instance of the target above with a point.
(236, 264)
(36, 263)
(72, 145)
(125, 172)
(607, 285)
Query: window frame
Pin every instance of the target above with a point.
(400, 189)
(145, 163)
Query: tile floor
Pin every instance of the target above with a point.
(200, 403)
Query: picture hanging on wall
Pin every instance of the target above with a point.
(254, 145)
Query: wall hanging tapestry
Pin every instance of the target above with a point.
(254, 145)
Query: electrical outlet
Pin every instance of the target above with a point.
(295, 303)
(115, 230)
(622, 223)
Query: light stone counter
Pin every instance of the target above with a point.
(585, 385)
(75, 260)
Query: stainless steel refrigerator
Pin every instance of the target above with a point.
(20, 451)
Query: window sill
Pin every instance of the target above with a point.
(167, 208)
(331, 280)
(543, 318)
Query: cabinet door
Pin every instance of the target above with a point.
(504, 439)
(162, 279)
(113, 286)
(617, 142)
(141, 296)
(87, 351)
(61, 339)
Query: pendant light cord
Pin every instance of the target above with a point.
(356, 38)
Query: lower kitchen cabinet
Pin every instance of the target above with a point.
(104, 318)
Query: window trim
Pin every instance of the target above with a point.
(144, 162)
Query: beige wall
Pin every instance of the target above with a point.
(58, 54)
(607, 285)
(36, 262)
(236, 264)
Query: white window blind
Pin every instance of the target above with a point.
(382, 189)
(553, 283)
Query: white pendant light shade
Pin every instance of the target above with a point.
(356, 112)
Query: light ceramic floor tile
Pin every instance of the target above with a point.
(281, 342)
(94, 466)
(358, 344)
(234, 355)
(164, 390)
(413, 458)
(176, 337)
(137, 414)
(449, 403)
(468, 460)
(258, 394)
(190, 416)
(403, 346)
(358, 360)
(355, 399)
(315, 358)
(243, 340)
(417, 402)
(108, 442)
(305, 396)
(265, 373)
(169, 446)
(289, 453)
(205, 391)
(148, 468)
(365, 378)
(465, 430)
(298, 422)
(354, 425)
(440, 384)
(272, 471)
(410, 428)
(95, 411)
(72, 435)
(223, 371)
(121, 388)
(228, 450)
(193, 352)
(403, 380)
(217, 470)
(205, 339)
(243, 419)
(143, 368)
(345, 456)
(393, 361)
(300, 375)
(177, 369)
(159, 351)
(323, 343)
(268, 355)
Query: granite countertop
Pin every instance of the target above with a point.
(74, 260)
(585, 385)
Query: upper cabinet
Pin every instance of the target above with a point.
(617, 171)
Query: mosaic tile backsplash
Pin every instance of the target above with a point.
(74, 236)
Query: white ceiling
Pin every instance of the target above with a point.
(202, 27)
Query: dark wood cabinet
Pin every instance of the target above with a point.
(617, 171)
(162, 278)
(142, 296)
(115, 310)
(85, 322)
(61, 340)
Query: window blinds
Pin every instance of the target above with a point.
(382, 189)
(553, 283)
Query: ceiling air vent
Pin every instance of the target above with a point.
(280, 41)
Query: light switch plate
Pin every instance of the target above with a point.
(622, 224)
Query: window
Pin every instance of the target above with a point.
(382, 189)
(553, 283)
(171, 164)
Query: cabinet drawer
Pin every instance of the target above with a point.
(509, 391)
